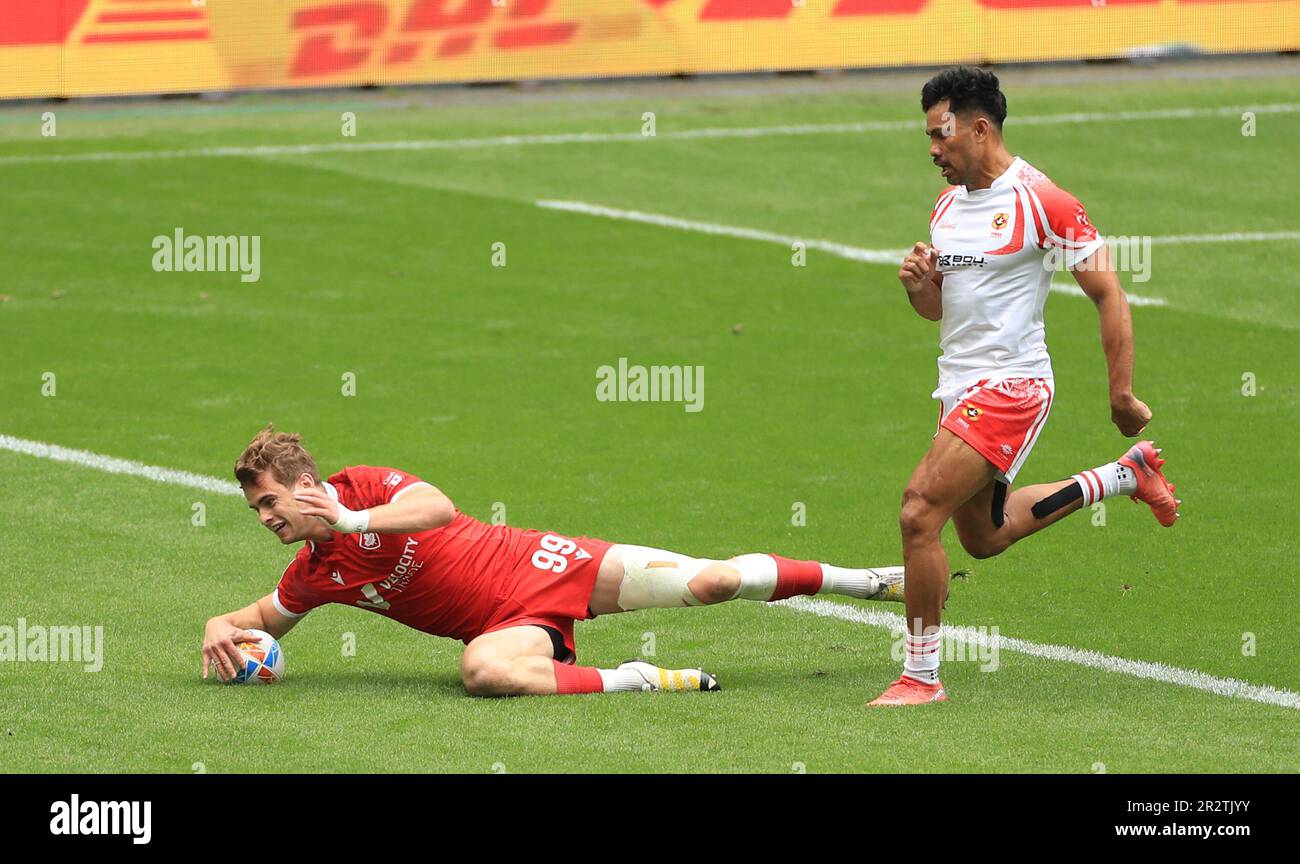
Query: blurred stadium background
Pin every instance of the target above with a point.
(99, 47)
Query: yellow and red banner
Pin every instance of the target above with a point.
(99, 47)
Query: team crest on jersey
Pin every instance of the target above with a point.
(369, 541)
(1000, 221)
(392, 479)
(972, 413)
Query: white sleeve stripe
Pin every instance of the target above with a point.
(1078, 256)
(279, 607)
(400, 492)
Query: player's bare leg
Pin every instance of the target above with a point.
(640, 577)
(983, 539)
(1032, 508)
(949, 474)
(516, 661)
(520, 661)
(954, 481)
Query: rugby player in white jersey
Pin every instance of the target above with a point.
(997, 234)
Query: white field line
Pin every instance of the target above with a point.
(853, 253)
(1238, 237)
(631, 137)
(1229, 687)
(1072, 290)
(113, 465)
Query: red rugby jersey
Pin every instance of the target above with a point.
(447, 581)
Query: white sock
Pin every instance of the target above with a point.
(616, 680)
(1105, 481)
(849, 581)
(922, 659)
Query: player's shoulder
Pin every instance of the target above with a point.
(1064, 213)
(1045, 189)
(371, 485)
(356, 474)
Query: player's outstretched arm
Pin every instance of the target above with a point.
(923, 281)
(422, 508)
(223, 631)
(1099, 281)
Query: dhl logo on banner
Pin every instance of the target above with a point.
(94, 47)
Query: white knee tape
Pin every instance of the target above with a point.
(757, 575)
(657, 579)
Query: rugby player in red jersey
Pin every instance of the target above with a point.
(997, 233)
(385, 540)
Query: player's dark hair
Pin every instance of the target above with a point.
(281, 453)
(967, 89)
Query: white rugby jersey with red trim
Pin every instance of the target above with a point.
(998, 250)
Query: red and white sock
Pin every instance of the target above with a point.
(922, 659)
(1105, 481)
(771, 577)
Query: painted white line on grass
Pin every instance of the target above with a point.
(632, 137)
(1073, 290)
(871, 256)
(114, 465)
(1230, 687)
(1238, 237)
(892, 257)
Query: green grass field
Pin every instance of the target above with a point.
(482, 380)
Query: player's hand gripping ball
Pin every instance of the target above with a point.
(263, 660)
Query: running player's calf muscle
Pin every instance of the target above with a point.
(949, 474)
(982, 539)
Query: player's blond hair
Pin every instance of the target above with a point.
(281, 453)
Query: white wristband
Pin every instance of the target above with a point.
(352, 521)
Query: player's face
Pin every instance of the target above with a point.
(950, 143)
(277, 509)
